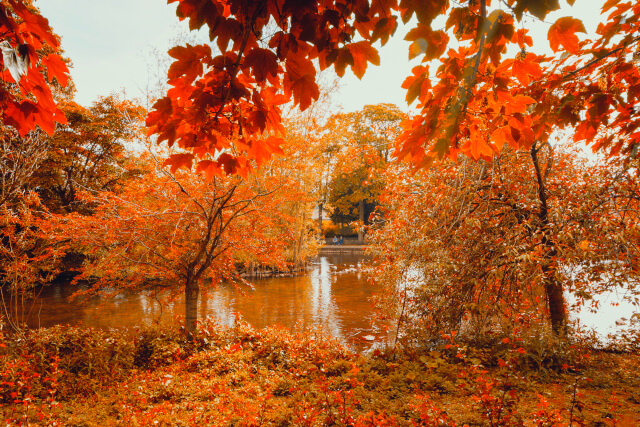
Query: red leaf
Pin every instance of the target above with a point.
(300, 80)
(35, 24)
(161, 110)
(21, 116)
(305, 90)
(189, 61)
(177, 161)
(262, 62)
(362, 52)
(432, 43)
(56, 68)
(562, 32)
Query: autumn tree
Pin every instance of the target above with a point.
(470, 246)
(33, 76)
(88, 152)
(178, 229)
(31, 60)
(480, 85)
(362, 147)
(25, 261)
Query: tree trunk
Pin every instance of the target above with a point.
(191, 291)
(361, 230)
(555, 302)
(320, 218)
(552, 286)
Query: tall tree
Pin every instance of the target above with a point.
(502, 241)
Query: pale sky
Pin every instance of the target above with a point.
(109, 42)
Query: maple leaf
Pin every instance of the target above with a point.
(225, 30)
(523, 69)
(209, 167)
(362, 52)
(562, 32)
(538, 8)
(426, 11)
(384, 28)
(414, 84)
(499, 138)
(21, 115)
(229, 163)
(35, 24)
(432, 43)
(177, 161)
(189, 61)
(161, 110)
(300, 80)
(340, 58)
(262, 62)
(57, 68)
(305, 90)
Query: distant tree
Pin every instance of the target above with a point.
(88, 152)
(362, 147)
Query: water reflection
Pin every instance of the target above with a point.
(333, 295)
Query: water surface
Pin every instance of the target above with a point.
(333, 295)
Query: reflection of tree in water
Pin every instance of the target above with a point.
(331, 295)
(323, 310)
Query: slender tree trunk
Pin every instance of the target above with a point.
(361, 231)
(552, 286)
(320, 218)
(191, 291)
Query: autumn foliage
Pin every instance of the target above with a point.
(492, 218)
(31, 59)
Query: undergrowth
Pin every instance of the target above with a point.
(245, 377)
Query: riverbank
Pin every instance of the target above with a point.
(246, 377)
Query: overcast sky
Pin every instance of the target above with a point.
(110, 41)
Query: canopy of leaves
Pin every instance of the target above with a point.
(30, 59)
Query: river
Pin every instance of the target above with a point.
(334, 295)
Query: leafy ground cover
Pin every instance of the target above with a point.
(246, 377)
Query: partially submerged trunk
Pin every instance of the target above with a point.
(191, 291)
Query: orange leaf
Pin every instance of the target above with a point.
(189, 61)
(562, 32)
(523, 69)
(499, 137)
(56, 68)
(432, 43)
(177, 161)
(300, 79)
(363, 52)
(21, 116)
(262, 62)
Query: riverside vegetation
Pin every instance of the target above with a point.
(240, 376)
